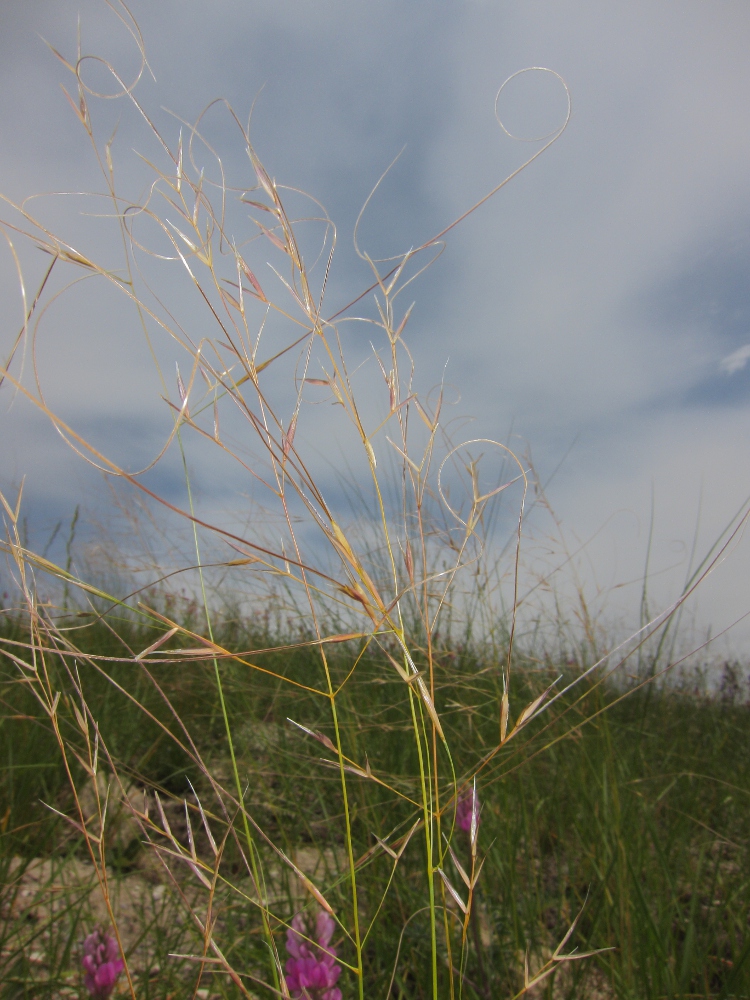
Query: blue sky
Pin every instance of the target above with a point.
(597, 308)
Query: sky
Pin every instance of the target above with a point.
(594, 313)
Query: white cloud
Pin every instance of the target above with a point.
(735, 361)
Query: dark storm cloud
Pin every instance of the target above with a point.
(601, 298)
(701, 307)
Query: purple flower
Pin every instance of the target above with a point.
(101, 963)
(312, 970)
(467, 807)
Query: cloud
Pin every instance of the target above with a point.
(735, 361)
(588, 301)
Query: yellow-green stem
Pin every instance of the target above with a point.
(428, 843)
(252, 850)
(349, 847)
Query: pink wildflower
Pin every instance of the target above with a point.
(101, 963)
(467, 807)
(312, 970)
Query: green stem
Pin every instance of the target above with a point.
(349, 846)
(428, 844)
(252, 849)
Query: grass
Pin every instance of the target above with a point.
(638, 818)
(193, 779)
